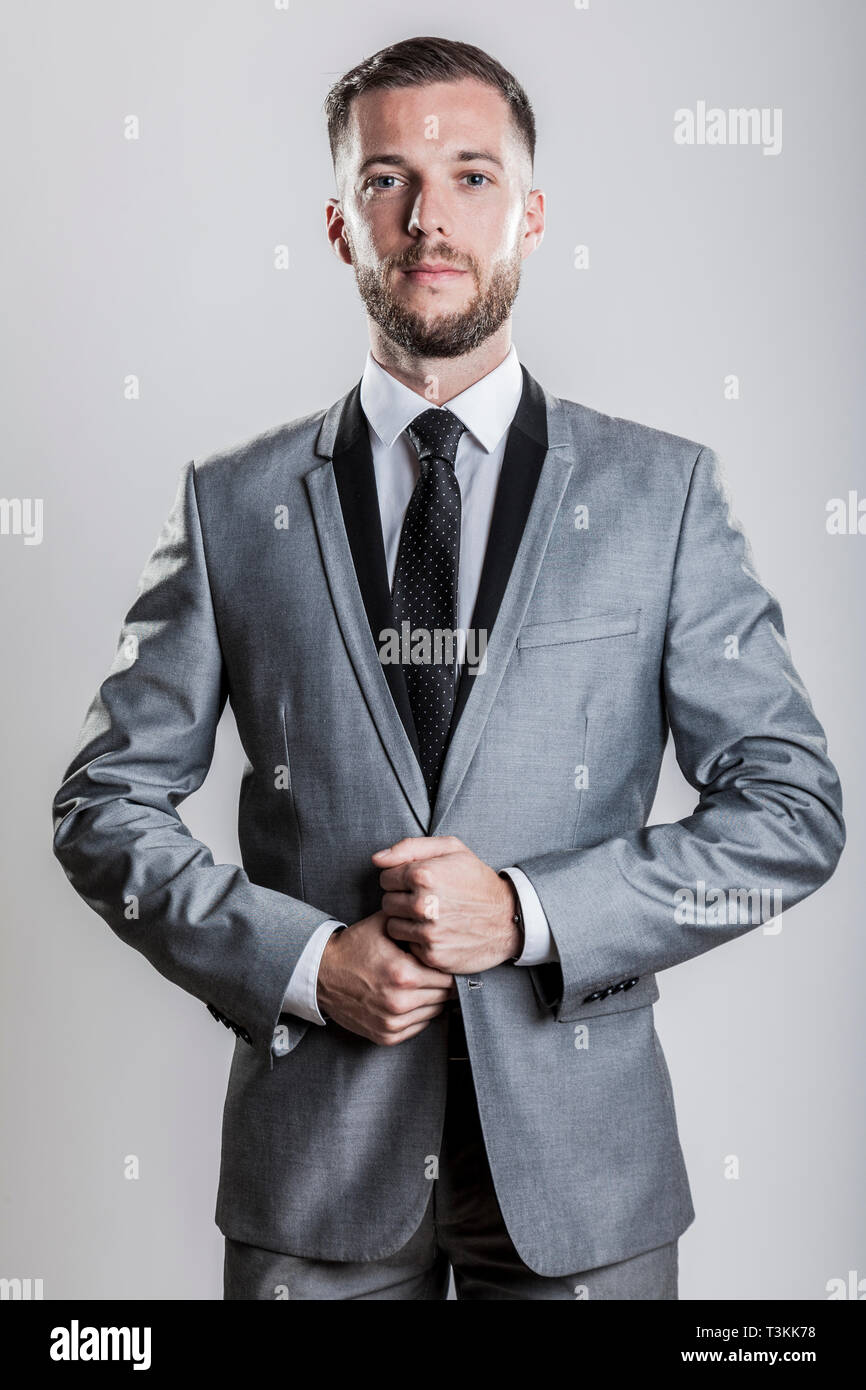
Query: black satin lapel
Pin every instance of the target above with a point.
(525, 450)
(356, 485)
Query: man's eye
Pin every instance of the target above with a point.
(477, 176)
(377, 178)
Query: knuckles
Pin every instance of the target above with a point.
(394, 1002)
(415, 876)
(399, 976)
(388, 1033)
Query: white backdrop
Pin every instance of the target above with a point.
(155, 257)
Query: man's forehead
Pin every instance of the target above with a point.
(436, 113)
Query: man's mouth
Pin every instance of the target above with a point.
(431, 273)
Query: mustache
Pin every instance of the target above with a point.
(414, 256)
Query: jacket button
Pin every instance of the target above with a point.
(628, 984)
(591, 998)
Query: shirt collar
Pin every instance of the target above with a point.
(486, 408)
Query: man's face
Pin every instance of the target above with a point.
(434, 185)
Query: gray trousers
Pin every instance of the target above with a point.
(462, 1230)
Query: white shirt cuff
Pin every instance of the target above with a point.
(300, 996)
(539, 946)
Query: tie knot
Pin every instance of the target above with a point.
(435, 434)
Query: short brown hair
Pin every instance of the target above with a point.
(416, 62)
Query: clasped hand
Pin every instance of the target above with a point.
(444, 912)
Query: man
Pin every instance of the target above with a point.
(456, 617)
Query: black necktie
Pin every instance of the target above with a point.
(425, 582)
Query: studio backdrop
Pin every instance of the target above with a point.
(169, 291)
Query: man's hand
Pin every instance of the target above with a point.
(454, 911)
(373, 987)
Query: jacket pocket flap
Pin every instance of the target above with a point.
(579, 629)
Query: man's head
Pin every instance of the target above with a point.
(433, 145)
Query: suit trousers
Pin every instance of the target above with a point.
(462, 1230)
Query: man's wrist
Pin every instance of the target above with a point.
(338, 931)
(518, 929)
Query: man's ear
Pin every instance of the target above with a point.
(336, 231)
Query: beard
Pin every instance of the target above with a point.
(447, 335)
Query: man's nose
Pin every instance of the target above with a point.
(430, 213)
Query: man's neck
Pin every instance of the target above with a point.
(440, 379)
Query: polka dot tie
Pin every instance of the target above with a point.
(425, 583)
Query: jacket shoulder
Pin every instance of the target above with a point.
(258, 456)
(633, 444)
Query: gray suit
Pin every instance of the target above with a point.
(614, 582)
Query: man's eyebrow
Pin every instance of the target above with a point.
(461, 157)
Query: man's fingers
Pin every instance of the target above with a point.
(406, 1002)
(416, 975)
(413, 1022)
(398, 877)
(430, 993)
(403, 929)
(418, 905)
(394, 1038)
(416, 847)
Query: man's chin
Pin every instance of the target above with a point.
(439, 329)
(434, 306)
(428, 341)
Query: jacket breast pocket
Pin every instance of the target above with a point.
(583, 627)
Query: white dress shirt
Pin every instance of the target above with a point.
(486, 409)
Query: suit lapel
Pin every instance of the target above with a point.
(359, 503)
(345, 506)
(345, 509)
(521, 465)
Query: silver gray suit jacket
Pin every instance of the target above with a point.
(621, 602)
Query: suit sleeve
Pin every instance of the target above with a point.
(769, 814)
(146, 744)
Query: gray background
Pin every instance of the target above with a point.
(155, 257)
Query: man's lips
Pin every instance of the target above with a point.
(432, 274)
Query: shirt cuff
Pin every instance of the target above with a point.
(300, 996)
(539, 946)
